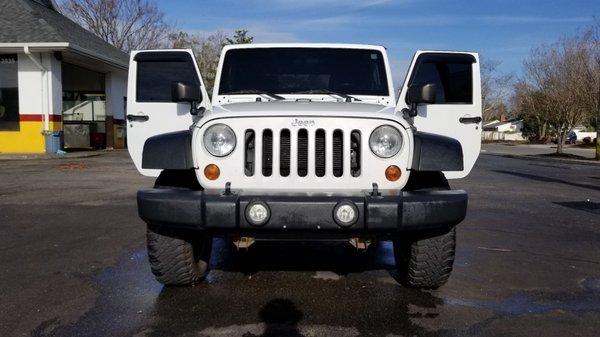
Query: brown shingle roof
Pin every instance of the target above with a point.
(27, 21)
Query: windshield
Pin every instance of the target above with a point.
(304, 70)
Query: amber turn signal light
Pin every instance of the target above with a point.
(212, 172)
(393, 173)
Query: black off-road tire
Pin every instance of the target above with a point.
(178, 261)
(425, 262)
(178, 258)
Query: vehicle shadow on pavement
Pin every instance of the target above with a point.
(587, 206)
(547, 179)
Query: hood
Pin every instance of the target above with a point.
(295, 108)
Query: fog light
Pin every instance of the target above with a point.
(393, 173)
(258, 213)
(345, 213)
(212, 172)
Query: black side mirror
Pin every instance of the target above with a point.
(419, 93)
(184, 92)
(424, 93)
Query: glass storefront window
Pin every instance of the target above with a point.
(84, 106)
(9, 93)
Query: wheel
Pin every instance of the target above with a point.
(425, 262)
(178, 258)
(178, 261)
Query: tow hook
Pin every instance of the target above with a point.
(360, 244)
(244, 242)
(375, 192)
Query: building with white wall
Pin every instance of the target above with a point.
(503, 130)
(57, 82)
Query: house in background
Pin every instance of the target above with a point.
(503, 129)
(583, 132)
(59, 83)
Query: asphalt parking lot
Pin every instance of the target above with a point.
(72, 263)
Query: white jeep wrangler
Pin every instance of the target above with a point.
(303, 142)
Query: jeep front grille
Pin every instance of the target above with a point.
(281, 154)
(322, 164)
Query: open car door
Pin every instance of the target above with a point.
(152, 108)
(456, 112)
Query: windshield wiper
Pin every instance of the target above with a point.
(255, 92)
(347, 97)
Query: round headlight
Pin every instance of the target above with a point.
(219, 140)
(385, 141)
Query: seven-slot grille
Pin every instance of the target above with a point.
(323, 163)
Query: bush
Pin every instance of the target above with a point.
(587, 140)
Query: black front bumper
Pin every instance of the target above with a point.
(198, 210)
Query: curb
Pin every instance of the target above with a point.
(76, 155)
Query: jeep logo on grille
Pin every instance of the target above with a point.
(303, 122)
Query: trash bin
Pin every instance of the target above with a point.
(119, 137)
(54, 142)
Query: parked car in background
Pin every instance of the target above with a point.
(572, 138)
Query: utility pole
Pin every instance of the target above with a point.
(598, 128)
(598, 122)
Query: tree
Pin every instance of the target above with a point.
(240, 37)
(561, 82)
(182, 40)
(494, 89)
(207, 49)
(126, 24)
(208, 56)
(529, 104)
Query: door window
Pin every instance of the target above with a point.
(453, 78)
(156, 74)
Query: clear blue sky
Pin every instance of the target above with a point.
(503, 30)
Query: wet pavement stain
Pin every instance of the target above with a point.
(538, 302)
(254, 300)
(591, 284)
(256, 288)
(126, 292)
(272, 291)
